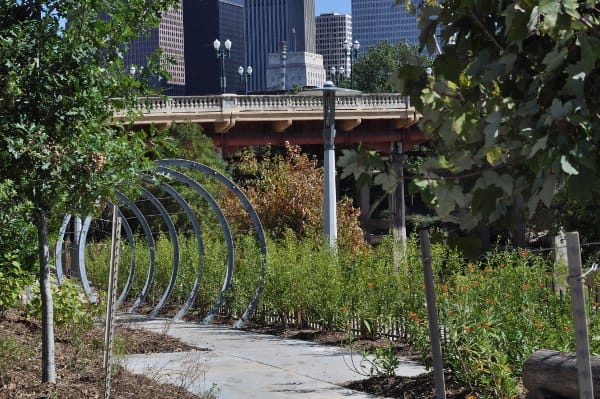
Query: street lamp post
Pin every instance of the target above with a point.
(245, 75)
(337, 74)
(352, 52)
(223, 52)
(329, 91)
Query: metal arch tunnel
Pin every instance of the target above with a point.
(165, 170)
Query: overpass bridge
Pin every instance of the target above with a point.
(377, 121)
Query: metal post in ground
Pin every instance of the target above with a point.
(584, 368)
(434, 329)
(110, 300)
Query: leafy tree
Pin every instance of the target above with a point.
(193, 144)
(286, 191)
(372, 71)
(60, 85)
(512, 106)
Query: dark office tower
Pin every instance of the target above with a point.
(376, 21)
(168, 37)
(269, 22)
(204, 21)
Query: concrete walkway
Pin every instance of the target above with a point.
(243, 365)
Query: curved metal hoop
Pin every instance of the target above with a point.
(224, 226)
(151, 249)
(253, 216)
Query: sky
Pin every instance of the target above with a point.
(327, 6)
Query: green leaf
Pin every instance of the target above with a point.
(567, 167)
(387, 181)
(458, 123)
(555, 58)
(492, 129)
(540, 144)
(549, 9)
(534, 19)
(493, 154)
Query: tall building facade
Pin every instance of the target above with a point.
(374, 21)
(205, 21)
(269, 22)
(169, 37)
(332, 30)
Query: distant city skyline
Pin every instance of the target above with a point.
(329, 6)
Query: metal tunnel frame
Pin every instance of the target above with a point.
(164, 170)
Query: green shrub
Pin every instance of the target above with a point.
(71, 306)
(13, 280)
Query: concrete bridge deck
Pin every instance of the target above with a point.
(233, 121)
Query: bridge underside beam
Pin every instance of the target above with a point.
(374, 139)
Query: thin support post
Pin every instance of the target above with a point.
(397, 205)
(584, 368)
(434, 330)
(111, 299)
(329, 189)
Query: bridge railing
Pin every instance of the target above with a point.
(257, 103)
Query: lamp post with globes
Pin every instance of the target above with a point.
(245, 75)
(337, 74)
(223, 52)
(352, 53)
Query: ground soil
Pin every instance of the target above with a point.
(79, 360)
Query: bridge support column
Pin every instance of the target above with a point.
(397, 205)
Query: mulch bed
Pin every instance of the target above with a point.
(79, 360)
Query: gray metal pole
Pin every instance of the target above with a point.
(584, 368)
(110, 300)
(75, 247)
(434, 329)
(329, 192)
(397, 205)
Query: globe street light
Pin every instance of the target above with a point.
(245, 75)
(223, 52)
(329, 91)
(352, 52)
(337, 74)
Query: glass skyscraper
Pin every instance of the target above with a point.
(374, 21)
(205, 21)
(168, 37)
(268, 22)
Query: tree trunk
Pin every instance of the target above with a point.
(519, 234)
(48, 365)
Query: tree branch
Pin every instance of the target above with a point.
(485, 29)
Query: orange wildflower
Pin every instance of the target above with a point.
(471, 267)
(370, 285)
(468, 329)
(524, 254)
(475, 283)
(444, 288)
(525, 286)
(488, 324)
(344, 308)
(538, 325)
(565, 328)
